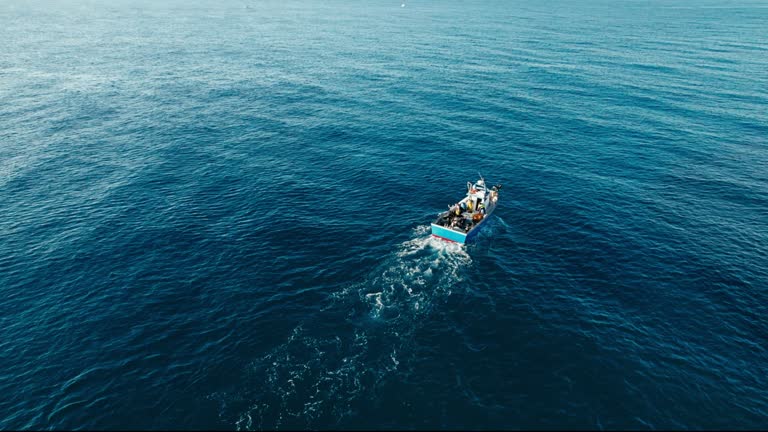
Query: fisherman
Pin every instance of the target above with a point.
(481, 208)
(455, 222)
(456, 210)
(469, 205)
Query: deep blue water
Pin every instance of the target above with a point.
(215, 214)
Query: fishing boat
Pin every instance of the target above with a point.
(463, 220)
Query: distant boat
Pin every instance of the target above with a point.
(463, 220)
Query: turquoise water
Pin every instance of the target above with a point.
(216, 214)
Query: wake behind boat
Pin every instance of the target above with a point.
(463, 220)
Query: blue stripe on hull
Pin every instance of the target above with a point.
(448, 234)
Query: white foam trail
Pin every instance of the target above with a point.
(419, 271)
(307, 378)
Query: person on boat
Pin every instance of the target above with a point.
(481, 208)
(469, 206)
(455, 222)
(456, 210)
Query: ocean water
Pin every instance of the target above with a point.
(215, 214)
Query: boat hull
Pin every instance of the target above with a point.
(448, 234)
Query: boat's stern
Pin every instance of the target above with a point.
(448, 234)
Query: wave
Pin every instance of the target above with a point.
(316, 381)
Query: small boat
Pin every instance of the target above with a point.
(463, 220)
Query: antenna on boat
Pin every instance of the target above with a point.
(481, 177)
